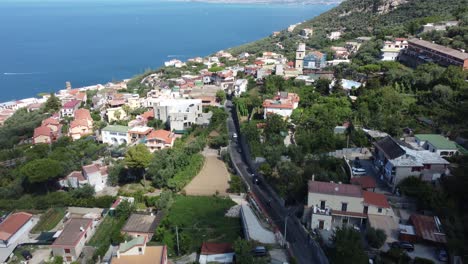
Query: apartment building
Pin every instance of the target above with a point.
(181, 114)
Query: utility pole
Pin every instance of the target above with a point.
(177, 235)
(285, 229)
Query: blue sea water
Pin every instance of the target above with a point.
(44, 43)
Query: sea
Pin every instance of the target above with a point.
(44, 43)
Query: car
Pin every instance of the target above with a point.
(259, 251)
(256, 180)
(26, 255)
(358, 171)
(234, 135)
(402, 245)
(442, 255)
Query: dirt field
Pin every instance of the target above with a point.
(213, 177)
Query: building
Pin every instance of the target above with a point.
(334, 35)
(421, 51)
(335, 204)
(180, 114)
(283, 104)
(138, 134)
(300, 54)
(391, 49)
(367, 183)
(315, 60)
(69, 108)
(340, 53)
(240, 86)
(80, 128)
(94, 175)
(306, 32)
(115, 135)
(136, 251)
(216, 253)
(49, 131)
(160, 139)
(13, 227)
(397, 161)
(440, 26)
(142, 225)
(115, 114)
(71, 241)
(436, 143)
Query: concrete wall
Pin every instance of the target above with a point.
(335, 201)
(218, 258)
(284, 112)
(316, 218)
(107, 137)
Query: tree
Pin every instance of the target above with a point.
(375, 237)
(242, 249)
(117, 173)
(52, 104)
(42, 170)
(85, 191)
(348, 246)
(323, 86)
(138, 158)
(220, 96)
(117, 114)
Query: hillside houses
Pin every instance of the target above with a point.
(94, 175)
(282, 104)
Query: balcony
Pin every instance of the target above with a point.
(318, 210)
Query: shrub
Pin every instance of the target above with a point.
(184, 176)
(375, 237)
(418, 260)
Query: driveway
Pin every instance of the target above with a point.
(40, 255)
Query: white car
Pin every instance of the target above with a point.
(234, 135)
(358, 171)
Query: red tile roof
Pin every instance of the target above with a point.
(71, 104)
(166, 136)
(50, 121)
(83, 113)
(79, 122)
(216, 248)
(366, 182)
(77, 174)
(13, 224)
(93, 168)
(42, 131)
(80, 96)
(335, 188)
(376, 199)
(426, 228)
(148, 115)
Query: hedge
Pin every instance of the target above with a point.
(184, 176)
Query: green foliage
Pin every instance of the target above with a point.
(236, 184)
(49, 220)
(419, 260)
(19, 126)
(215, 68)
(184, 176)
(52, 104)
(348, 247)
(375, 237)
(85, 191)
(198, 219)
(243, 250)
(42, 170)
(220, 96)
(117, 173)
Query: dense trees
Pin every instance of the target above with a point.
(348, 247)
(42, 170)
(52, 104)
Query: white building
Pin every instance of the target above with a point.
(13, 227)
(71, 241)
(216, 253)
(283, 104)
(391, 49)
(180, 114)
(437, 143)
(240, 86)
(94, 175)
(115, 135)
(334, 35)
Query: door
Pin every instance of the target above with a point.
(321, 224)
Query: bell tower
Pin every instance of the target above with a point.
(300, 54)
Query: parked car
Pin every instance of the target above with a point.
(358, 171)
(403, 245)
(234, 135)
(442, 255)
(259, 251)
(26, 255)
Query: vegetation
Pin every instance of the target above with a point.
(347, 247)
(49, 220)
(197, 219)
(375, 237)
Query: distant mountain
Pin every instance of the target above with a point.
(356, 18)
(269, 1)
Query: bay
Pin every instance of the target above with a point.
(44, 43)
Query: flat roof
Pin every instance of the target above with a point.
(153, 255)
(437, 141)
(442, 49)
(142, 223)
(116, 128)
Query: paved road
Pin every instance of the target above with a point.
(304, 249)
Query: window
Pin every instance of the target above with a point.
(379, 210)
(322, 205)
(345, 220)
(140, 250)
(366, 208)
(85, 235)
(67, 251)
(69, 258)
(344, 207)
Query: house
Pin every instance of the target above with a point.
(391, 49)
(71, 241)
(367, 183)
(334, 204)
(240, 86)
(136, 251)
(94, 175)
(283, 104)
(115, 114)
(340, 52)
(43, 134)
(180, 114)
(440, 26)
(216, 253)
(142, 225)
(421, 51)
(423, 229)
(13, 227)
(138, 134)
(160, 139)
(334, 35)
(437, 143)
(115, 135)
(315, 60)
(398, 161)
(82, 125)
(306, 32)
(69, 108)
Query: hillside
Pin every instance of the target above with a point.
(362, 18)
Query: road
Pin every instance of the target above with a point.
(304, 249)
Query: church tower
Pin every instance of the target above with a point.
(300, 53)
